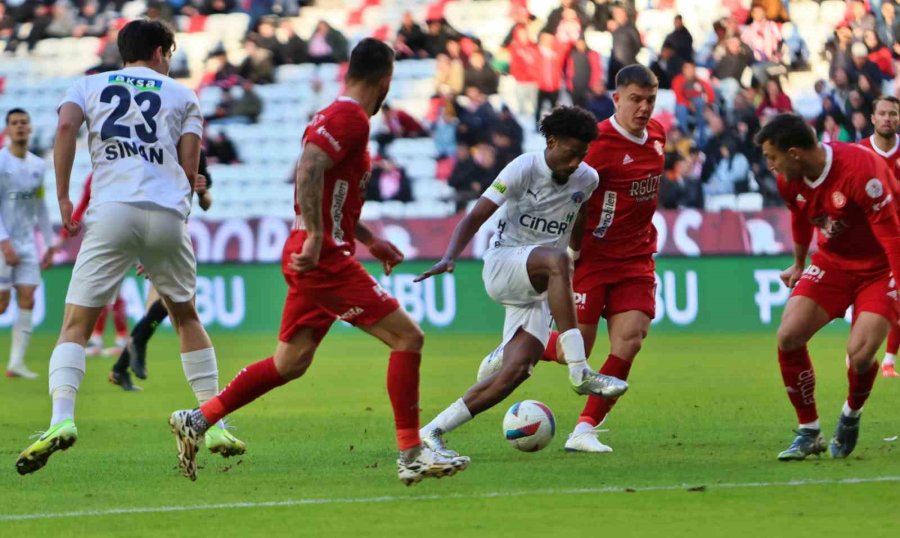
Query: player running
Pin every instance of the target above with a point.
(845, 192)
(325, 281)
(144, 136)
(527, 269)
(614, 268)
(885, 142)
(21, 208)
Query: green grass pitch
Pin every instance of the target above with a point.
(695, 443)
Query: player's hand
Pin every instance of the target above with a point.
(791, 275)
(308, 258)
(387, 253)
(200, 184)
(9, 253)
(65, 211)
(443, 266)
(47, 260)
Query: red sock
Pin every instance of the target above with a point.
(119, 318)
(250, 383)
(403, 389)
(861, 386)
(596, 408)
(800, 381)
(100, 326)
(550, 353)
(893, 342)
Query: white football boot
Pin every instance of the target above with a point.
(587, 441)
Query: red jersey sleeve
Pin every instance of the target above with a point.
(876, 197)
(801, 228)
(337, 134)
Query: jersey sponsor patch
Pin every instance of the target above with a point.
(658, 146)
(140, 83)
(338, 197)
(323, 132)
(838, 198)
(500, 187)
(874, 188)
(606, 214)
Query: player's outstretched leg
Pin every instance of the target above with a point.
(888, 365)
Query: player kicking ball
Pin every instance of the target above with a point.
(327, 283)
(21, 207)
(144, 136)
(844, 191)
(527, 268)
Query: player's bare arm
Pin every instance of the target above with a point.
(802, 237)
(189, 157)
(310, 184)
(574, 249)
(383, 250)
(204, 197)
(462, 235)
(70, 119)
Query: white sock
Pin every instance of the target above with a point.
(21, 335)
(67, 364)
(814, 425)
(573, 347)
(583, 427)
(451, 418)
(847, 412)
(202, 373)
(889, 359)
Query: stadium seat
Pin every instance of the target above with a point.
(721, 202)
(665, 101)
(749, 201)
(831, 12)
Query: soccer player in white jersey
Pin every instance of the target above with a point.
(541, 197)
(144, 136)
(21, 207)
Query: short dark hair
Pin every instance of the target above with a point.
(889, 98)
(370, 61)
(139, 38)
(16, 111)
(786, 131)
(636, 74)
(570, 122)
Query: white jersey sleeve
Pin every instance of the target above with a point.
(75, 95)
(4, 194)
(510, 180)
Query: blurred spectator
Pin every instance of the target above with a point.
(217, 7)
(388, 182)
(413, 36)
(859, 18)
(91, 22)
(671, 188)
(879, 54)
(775, 10)
(327, 45)
(220, 149)
(583, 70)
(524, 61)
(860, 127)
(439, 33)
(508, 136)
(443, 130)
(219, 71)
(681, 40)
(474, 171)
(870, 90)
(763, 37)
(600, 103)
(7, 27)
(713, 41)
(774, 99)
(666, 66)
(292, 47)
(832, 130)
(890, 30)
(110, 59)
(476, 119)
(448, 75)
(569, 30)
(267, 39)
(732, 172)
(841, 91)
(569, 11)
(735, 58)
(63, 19)
(522, 20)
(549, 74)
(480, 75)
(692, 96)
(860, 63)
(396, 123)
(259, 65)
(249, 106)
(626, 41)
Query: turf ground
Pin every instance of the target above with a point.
(695, 444)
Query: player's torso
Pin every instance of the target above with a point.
(135, 118)
(620, 213)
(21, 181)
(544, 211)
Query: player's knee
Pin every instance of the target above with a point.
(25, 302)
(790, 339)
(629, 345)
(296, 365)
(861, 354)
(561, 264)
(411, 338)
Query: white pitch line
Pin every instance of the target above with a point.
(398, 498)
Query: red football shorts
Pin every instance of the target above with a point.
(836, 290)
(343, 290)
(610, 290)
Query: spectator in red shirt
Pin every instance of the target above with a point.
(879, 54)
(692, 96)
(583, 70)
(774, 101)
(396, 123)
(524, 58)
(549, 76)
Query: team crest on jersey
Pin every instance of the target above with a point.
(838, 199)
(874, 188)
(657, 145)
(143, 84)
(577, 197)
(801, 200)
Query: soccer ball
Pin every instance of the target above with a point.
(529, 425)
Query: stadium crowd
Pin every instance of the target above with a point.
(726, 84)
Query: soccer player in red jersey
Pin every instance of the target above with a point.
(614, 268)
(844, 191)
(886, 143)
(326, 282)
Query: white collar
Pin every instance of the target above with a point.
(885, 153)
(347, 99)
(639, 141)
(828, 160)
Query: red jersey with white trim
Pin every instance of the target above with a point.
(620, 213)
(890, 158)
(853, 207)
(342, 131)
